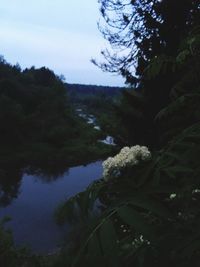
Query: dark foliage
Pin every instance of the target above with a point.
(139, 32)
(149, 215)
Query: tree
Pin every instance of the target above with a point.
(138, 30)
(149, 211)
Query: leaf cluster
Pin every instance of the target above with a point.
(149, 216)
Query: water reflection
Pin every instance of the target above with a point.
(48, 174)
(10, 181)
(11, 175)
(35, 200)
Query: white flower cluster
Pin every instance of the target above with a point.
(128, 156)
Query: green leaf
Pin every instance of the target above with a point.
(134, 219)
(151, 205)
(179, 169)
(109, 242)
(94, 249)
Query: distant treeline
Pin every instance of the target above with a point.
(94, 99)
(110, 91)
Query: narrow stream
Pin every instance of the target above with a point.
(90, 119)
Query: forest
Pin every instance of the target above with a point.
(38, 124)
(145, 209)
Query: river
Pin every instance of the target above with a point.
(90, 119)
(32, 210)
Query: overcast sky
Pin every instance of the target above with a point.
(59, 34)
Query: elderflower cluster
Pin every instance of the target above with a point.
(128, 156)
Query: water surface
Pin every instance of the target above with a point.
(38, 196)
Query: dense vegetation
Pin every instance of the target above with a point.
(38, 125)
(145, 29)
(101, 101)
(147, 213)
(81, 94)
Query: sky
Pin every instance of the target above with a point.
(59, 34)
